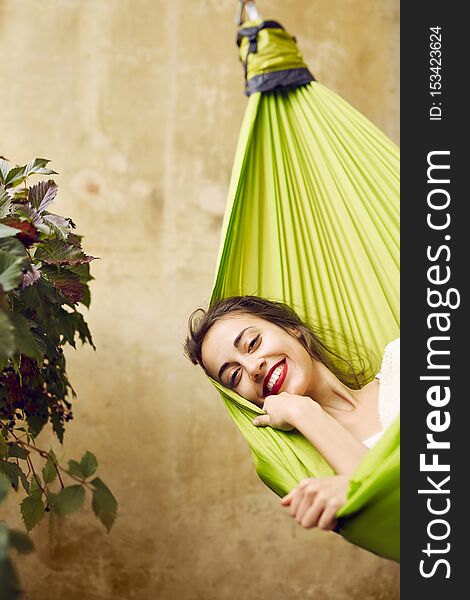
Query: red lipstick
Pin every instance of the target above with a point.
(279, 382)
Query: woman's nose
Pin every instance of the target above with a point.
(256, 368)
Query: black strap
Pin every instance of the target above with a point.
(278, 80)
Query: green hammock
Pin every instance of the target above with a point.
(312, 219)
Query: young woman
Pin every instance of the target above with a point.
(263, 351)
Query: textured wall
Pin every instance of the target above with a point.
(138, 103)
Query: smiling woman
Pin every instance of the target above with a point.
(263, 351)
(354, 372)
(260, 359)
(311, 220)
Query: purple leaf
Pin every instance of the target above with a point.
(31, 276)
(42, 194)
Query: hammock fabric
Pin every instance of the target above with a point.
(312, 219)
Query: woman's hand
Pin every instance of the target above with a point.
(284, 410)
(315, 502)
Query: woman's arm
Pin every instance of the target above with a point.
(335, 443)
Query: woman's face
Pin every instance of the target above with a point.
(256, 358)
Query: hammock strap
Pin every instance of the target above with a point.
(251, 33)
(291, 77)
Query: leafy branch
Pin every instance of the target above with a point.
(44, 278)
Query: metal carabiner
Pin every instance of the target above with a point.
(251, 10)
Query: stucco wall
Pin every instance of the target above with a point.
(138, 103)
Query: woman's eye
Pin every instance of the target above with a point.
(253, 343)
(234, 376)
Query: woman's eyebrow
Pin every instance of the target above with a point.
(235, 343)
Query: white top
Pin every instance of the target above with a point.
(389, 390)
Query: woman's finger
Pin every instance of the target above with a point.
(328, 519)
(303, 506)
(262, 421)
(297, 498)
(312, 515)
(287, 499)
(299, 489)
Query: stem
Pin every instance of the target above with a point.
(38, 481)
(45, 454)
(56, 467)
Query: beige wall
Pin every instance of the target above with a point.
(138, 103)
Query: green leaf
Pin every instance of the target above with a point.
(12, 245)
(104, 503)
(21, 542)
(36, 423)
(69, 499)
(24, 482)
(4, 486)
(39, 298)
(59, 226)
(60, 252)
(34, 489)
(7, 231)
(11, 471)
(18, 194)
(4, 168)
(25, 341)
(83, 271)
(88, 464)
(72, 323)
(5, 202)
(11, 270)
(57, 427)
(15, 176)
(86, 299)
(75, 469)
(49, 472)
(14, 472)
(3, 447)
(32, 511)
(38, 167)
(17, 451)
(7, 337)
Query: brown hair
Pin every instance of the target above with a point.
(354, 372)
